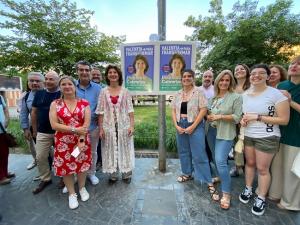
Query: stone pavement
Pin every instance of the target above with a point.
(152, 198)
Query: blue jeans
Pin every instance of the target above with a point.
(220, 149)
(192, 154)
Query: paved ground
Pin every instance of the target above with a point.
(152, 198)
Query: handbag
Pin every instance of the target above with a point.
(9, 138)
(296, 165)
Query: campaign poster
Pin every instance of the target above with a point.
(139, 67)
(174, 59)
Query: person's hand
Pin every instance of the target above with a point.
(81, 130)
(286, 94)
(27, 134)
(190, 129)
(248, 117)
(243, 123)
(34, 133)
(213, 117)
(101, 133)
(180, 129)
(130, 131)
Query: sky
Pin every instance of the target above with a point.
(137, 19)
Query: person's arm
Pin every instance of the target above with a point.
(199, 118)
(283, 115)
(24, 120)
(178, 128)
(131, 128)
(62, 127)
(100, 124)
(6, 113)
(33, 115)
(295, 106)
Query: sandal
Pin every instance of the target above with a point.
(184, 178)
(213, 193)
(225, 202)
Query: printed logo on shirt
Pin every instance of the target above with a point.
(269, 128)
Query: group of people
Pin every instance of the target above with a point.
(250, 105)
(71, 116)
(257, 109)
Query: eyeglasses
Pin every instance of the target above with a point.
(83, 70)
(32, 81)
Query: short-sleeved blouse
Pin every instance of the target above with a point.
(195, 103)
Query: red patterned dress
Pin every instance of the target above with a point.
(64, 163)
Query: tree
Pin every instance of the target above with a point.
(246, 35)
(51, 34)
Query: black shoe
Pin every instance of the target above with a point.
(0, 217)
(127, 180)
(259, 206)
(41, 186)
(112, 180)
(245, 196)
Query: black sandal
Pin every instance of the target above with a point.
(213, 193)
(184, 178)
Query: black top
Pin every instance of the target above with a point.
(42, 101)
(183, 108)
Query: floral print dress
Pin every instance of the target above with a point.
(64, 163)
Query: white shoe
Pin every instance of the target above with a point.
(94, 180)
(31, 165)
(73, 202)
(65, 190)
(84, 194)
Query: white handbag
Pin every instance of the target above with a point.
(296, 165)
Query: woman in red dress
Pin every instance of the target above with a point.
(70, 117)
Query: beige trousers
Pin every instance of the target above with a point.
(43, 145)
(285, 184)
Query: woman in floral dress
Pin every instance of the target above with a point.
(70, 117)
(116, 125)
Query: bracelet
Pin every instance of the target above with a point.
(259, 117)
(73, 130)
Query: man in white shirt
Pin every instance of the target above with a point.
(207, 84)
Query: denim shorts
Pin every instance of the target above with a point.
(266, 144)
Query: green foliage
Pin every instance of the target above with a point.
(14, 129)
(246, 35)
(51, 34)
(146, 128)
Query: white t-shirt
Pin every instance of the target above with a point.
(263, 104)
(208, 92)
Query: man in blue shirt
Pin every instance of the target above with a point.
(35, 82)
(41, 127)
(90, 91)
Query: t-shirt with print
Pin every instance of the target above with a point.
(263, 104)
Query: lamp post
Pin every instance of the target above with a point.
(161, 5)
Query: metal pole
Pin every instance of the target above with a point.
(161, 5)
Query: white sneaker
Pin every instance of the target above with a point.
(84, 194)
(31, 165)
(94, 180)
(65, 190)
(73, 202)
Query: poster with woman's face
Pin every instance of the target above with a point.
(139, 67)
(174, 58)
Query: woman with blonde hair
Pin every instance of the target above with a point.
(225, 111)
(70, 117)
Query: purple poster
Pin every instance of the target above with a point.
(139, 67)
(174, 58)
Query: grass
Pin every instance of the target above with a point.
(146, 130)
